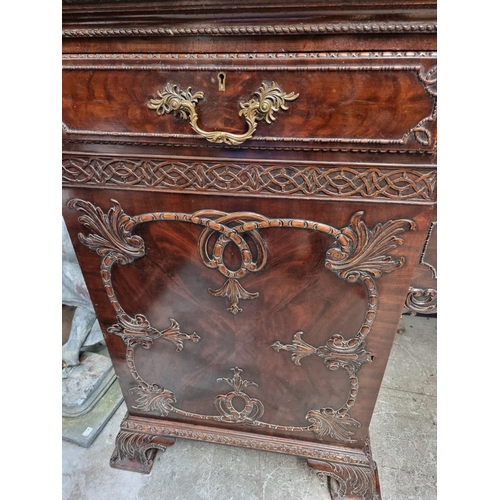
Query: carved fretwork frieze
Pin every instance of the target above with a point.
(358, 255)
(276, 179)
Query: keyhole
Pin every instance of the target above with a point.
(222, 81)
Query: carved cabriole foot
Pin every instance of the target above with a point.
(135, 451)
(349, 482)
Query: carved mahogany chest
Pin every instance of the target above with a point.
(248, 189)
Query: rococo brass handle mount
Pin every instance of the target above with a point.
(270, 99)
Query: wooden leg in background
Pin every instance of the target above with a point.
(136, 452)
(349, 482)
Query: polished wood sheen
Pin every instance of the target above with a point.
(250, 190)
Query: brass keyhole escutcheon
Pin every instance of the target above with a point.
(221, 77)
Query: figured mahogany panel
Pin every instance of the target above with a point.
(263, 315)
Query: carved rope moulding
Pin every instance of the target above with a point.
(290, 29)
(332, 181)
(358, 255)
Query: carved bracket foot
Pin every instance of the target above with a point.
(136, 452)
(349, 482)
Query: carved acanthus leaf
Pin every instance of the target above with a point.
(361, 250)
(348, 354)
(350, 482)
(174, 335)
(112, 231)
(328, 422)
(153, 398)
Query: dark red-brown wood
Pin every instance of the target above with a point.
(249, 293)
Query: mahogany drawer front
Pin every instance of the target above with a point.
(384, 100)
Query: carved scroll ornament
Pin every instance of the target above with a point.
(357, 255)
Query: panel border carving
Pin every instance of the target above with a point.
(358, 255)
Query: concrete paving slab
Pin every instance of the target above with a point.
(83, 430)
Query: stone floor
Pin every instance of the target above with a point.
(403, 436)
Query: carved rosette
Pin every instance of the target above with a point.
(358, 255)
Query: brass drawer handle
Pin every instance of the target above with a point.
(183, 103)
